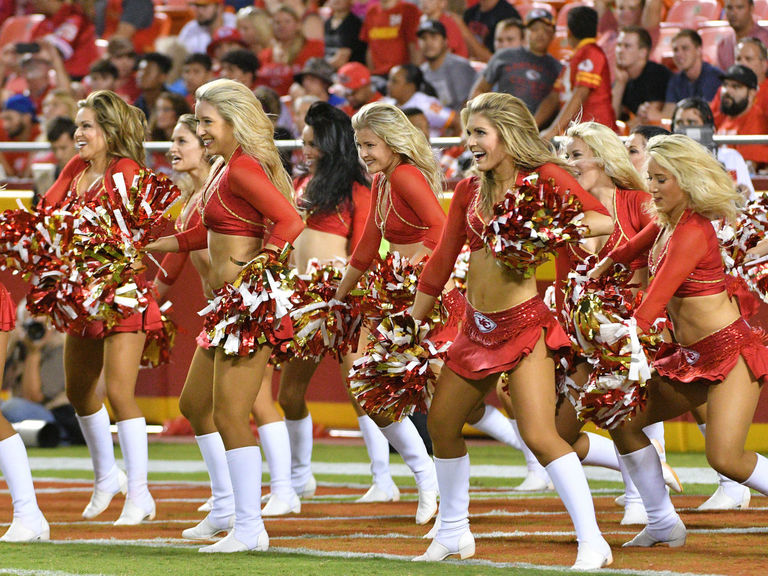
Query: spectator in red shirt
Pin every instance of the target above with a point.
(389, 29)
(355, 79)
(289, 51)
(18, 125)
(589, 75)
(67, 27)
(740, 16)
(738, 114)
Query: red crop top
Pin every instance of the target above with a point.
(688, 265)
(408, 214)
(65, 186)
(464, 223)
(348, 220)
(238, 202)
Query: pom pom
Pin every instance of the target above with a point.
(461, 269)
(396, 375)
(390, 287)
(531, 223)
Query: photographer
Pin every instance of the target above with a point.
(34, 375)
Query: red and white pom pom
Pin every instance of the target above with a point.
(391, 287)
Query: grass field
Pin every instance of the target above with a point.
(516, 534)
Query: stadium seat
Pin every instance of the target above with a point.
(691, 13)
(559, 48)
(179, 16)
(19, 28)
(662, 50)
(710, 35)
(562, 17)
(144, 40)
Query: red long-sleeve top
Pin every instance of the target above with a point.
(66, 184)
(689, 264)
(241, 203)
(409, 214)
(347, 221)
(464, 224)
(173, 262)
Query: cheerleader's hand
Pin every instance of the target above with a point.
(602, 267)
(758, 251)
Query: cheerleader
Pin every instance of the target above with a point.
(716, 357)
(250, 190)
(406, 212)
(110, 142)
(507, 328)
(28, 523)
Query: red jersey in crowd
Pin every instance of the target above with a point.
(389, 33)
(589, 68)
(74, 35)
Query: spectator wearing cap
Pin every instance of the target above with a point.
(450, 75)
(528, 72)
(240, 65)
(751, 52)
(342, 35)
(288, 53)
(121, 54)
(19, 124)
(355, 80)
(406, 88)
(224, 40)
(509, 33)
(455, 29)
(588, 74)
(481, 19)
(196, 71)
(638, 81)
(738, 114)
(389, 29)
(741, 18)
(67, 27)
(209, 16)
(316, 79)
(150, 78)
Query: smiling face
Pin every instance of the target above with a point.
(217, 134)
(186, 153)
(311, 152)
(667, 195)
(487, 147)
(589, 172)
(89, 137)
(374, 152)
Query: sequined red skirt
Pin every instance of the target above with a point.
(711, 359)
(7, 310)
(491, 343)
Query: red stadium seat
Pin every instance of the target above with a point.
(710, 35)
(691, 13)
(761, 9)
(19, 28)
(179, 15)
(662, 50)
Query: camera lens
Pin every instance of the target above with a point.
(35, 330)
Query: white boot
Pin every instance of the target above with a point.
(248, 532)
(602, 452)
(758, 480)
(28, 523)
(730, 495)
(300, 435)
(139, 504)
(221, 515)
(655, 433)
(276, 445)
(453, 534)
(664, 525)
(408, 443)
(383, 488)
(537, 479)
(571, 484)
(494, 424)
(108, 478)
(634, 509)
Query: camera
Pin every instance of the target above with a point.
(27, 47)
(34, 330)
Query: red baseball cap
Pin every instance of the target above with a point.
(225, 34)
(353, 75)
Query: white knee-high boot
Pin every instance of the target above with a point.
(276, 445)
(655, 433)
(453, 534)
(215, 458)
(95, 428)
(28, 521)
(248, 533)
(497, 426)
(537, 478)
(571, 484)
(406, 440)
(139, 503)
(378, 451)
(758, 480)
(730, 495)
(634, 509)
(300, 435)
(664, 525)
(602, 452)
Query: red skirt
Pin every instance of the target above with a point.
(7, 310)
(146, 321)
(491, 343)
(711, 359)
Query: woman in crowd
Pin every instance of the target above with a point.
(168, 108)
(507, 328)
(28, 523)
(406, 212)
(250, 190)
(335, 199)
(716, 357)
(110, 141)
